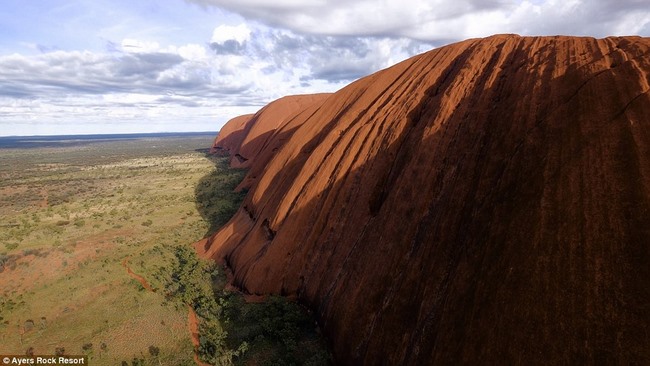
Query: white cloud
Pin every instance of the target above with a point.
(223, 33)
(143, 63)
(193, 52)
(141, 81)
(139, 46)
(442, 21)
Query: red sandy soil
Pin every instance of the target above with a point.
(137, 277)
(35, 269)
(45, 201)
(486, 202)
(193, 325)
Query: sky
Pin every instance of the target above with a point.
(126, 66)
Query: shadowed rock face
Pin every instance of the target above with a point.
(487, 202)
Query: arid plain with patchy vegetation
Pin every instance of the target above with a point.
(95, 247)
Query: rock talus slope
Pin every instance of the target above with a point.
(487, 202)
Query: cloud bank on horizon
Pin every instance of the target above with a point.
(189, 65)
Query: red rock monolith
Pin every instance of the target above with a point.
(487, 202)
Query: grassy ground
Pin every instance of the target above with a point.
(75, 219)
(69, 218)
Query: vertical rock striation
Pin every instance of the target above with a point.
(486, 202)
(245, 137)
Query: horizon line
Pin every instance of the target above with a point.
(111, 134)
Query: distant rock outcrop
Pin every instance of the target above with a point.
(486, 202)
(232, 135)
(245, 137)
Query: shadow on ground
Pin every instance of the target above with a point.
(216, 204)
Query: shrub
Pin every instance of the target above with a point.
(11, 246)
(29, 325)
(154, 351)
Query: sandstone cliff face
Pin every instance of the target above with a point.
(245, 137)
(487, 202)
(232, 135)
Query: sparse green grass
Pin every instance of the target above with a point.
(72, 217)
